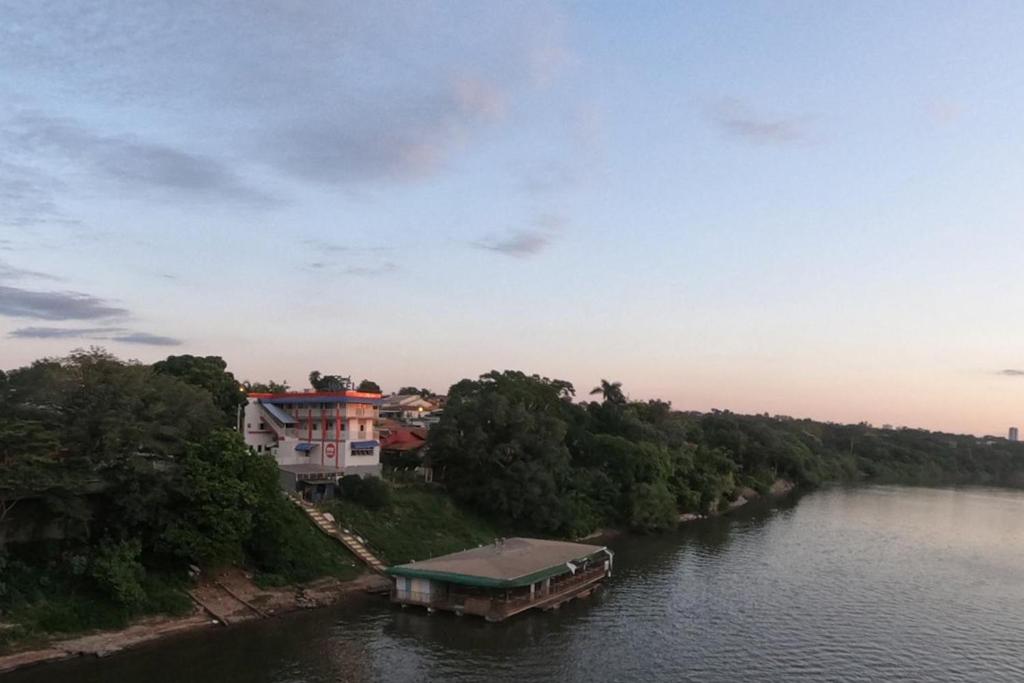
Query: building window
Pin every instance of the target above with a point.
(248, 425)
(263, 426)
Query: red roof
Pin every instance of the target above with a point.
(406, 439)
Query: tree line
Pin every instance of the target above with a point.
(520, 448)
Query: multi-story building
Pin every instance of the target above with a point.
(1014, 436)
(315, 436)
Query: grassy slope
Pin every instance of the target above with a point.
(419, 523)
(308, 555)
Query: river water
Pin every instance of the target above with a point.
(863, 584)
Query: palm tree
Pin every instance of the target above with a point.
(611, 392)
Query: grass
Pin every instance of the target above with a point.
(303, 554)
(69, 609)
(419, 522)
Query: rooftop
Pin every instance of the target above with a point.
(508, 563)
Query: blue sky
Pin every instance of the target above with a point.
(795, 207)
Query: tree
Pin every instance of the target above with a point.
(216, 499)
(501, 445)
(268, 387)
(321, 382)
(611, 392)
(369, 386)
(413, 391)
(653, 507)
(211, 374)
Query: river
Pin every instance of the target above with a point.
(856, 584)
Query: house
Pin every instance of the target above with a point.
(406, 407)
(405, 448)
(500, 580)
(315, 436)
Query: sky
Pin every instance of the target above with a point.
(802, 208)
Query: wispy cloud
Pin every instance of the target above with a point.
(128, 160)
(9, 272)
(118, 334)
(146, 339)
(525, 242)
(739, 120)
(518, 243)
(62, 332)
(1011, 372)
(23, 303)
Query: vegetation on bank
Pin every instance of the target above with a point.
(116, 478)
(414, 523)
(519, 449)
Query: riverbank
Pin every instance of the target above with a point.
(229, 598)
(778, 489)
(418, 523)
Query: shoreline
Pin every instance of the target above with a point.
(779, 489)
(231, 597)
(251, 603)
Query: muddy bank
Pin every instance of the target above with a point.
(229, 598)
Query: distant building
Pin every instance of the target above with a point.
(1014, 435)
(406, 407)
(315, 437)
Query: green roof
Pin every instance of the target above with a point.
(509, 563)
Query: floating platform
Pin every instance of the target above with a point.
(503, 579)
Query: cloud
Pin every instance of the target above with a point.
(127, 160)
(118, 334)
(738, 120)
(146, 339)
(323, 92)
(403, 138)
(62, 332)
(22, 303)
(9, 272)
(518, 243)
(1011, 372)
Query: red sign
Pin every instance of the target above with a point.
(331, 450)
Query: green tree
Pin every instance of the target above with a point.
(414, 391)
(268, 387)
(216, 498)
(369, 386)
(211, 374)
(611, 392)
(502, 448)
(321, 382)
(653, 507)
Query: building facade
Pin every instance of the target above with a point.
(1014, 436)
(316, 436)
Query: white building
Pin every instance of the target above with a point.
(1014, 435)
(315, 437)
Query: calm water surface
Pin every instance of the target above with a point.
(845, 584)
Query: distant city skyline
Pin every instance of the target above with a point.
(797, 208)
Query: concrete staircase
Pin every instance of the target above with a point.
(325, 523)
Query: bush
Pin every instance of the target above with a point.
(374, 493)
(371, 492)
(118, 572)
(350, 485)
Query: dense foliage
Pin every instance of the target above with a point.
(115, 477)
(518, 447)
